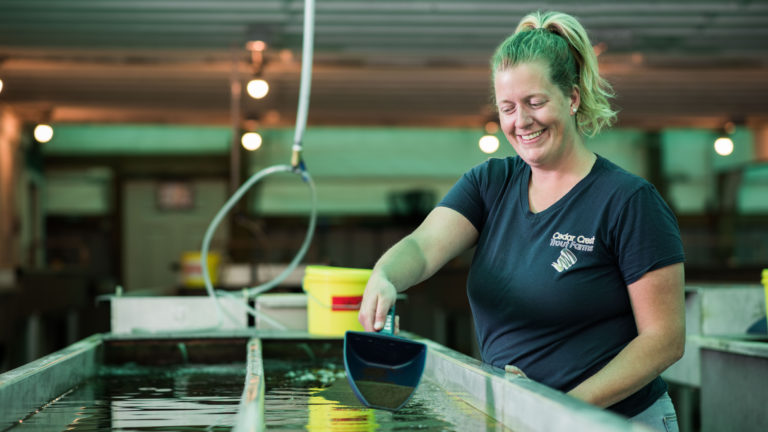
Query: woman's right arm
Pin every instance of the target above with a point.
(443, 235)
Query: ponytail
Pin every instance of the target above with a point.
(561, 41)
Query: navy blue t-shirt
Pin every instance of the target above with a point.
(548, 290)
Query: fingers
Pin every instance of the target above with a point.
(397, 324)
(378, 298)
(382, 310)
(373, 310)
(367, 311)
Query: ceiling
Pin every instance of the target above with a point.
(377, 62)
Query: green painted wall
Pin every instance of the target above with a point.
(80, 192)
(137, 139)
(753, 193)
(691, 165)
(358, 170)
(378, 152)
(624, 147)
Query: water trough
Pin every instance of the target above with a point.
(457, 391)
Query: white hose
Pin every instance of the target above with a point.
(301, 125)
(255, 291)
(306, 74)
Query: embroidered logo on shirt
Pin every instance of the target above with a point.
(564, 261)
(579, 243)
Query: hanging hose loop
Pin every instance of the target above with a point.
(257, 290)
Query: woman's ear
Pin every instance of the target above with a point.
(575, 99)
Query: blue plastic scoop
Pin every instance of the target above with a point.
(383, 369)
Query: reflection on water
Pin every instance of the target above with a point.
(203, 398)
(307, 399)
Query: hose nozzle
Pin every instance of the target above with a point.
(296, 157)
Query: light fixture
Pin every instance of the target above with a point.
(257, 46)
(724, 146)
(257, 88)
(724, 143)
(251, 141)
(43, 133)
(488, 144)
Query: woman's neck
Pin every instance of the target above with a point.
(547, 186)
(574, 165)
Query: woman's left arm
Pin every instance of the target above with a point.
(658, 303)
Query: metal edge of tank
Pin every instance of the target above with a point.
(518, 403)
(25, 389)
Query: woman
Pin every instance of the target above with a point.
(577, 278)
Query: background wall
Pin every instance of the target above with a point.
(396, 174)
(94, 191)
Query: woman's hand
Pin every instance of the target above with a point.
(378, 298)
(413, 259)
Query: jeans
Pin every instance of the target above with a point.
(660, 416)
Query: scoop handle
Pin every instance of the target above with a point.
(389, 323)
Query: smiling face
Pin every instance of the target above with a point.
(535, 115)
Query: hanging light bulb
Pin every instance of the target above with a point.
(1, 85)
(43, 133)
(251, 141)
(256, 45)
(488, 144)
(724, 143)
(724, 146)
(257, 88)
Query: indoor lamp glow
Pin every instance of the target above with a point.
(724, 146)
(488, 144)
(43, 133)
(251, 141)
(1, 86)
(257, 88)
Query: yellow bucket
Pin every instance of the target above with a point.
(765, 285)
(192, 271)
(333, 299)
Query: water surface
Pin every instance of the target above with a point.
(302, 397)
(141, 398)
(311, 394)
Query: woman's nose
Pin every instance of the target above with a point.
(523, 118)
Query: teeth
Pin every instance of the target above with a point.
(533, 135)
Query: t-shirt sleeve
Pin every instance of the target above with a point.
(647, 235)
(466, 196)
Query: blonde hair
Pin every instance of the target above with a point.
(561, 41)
